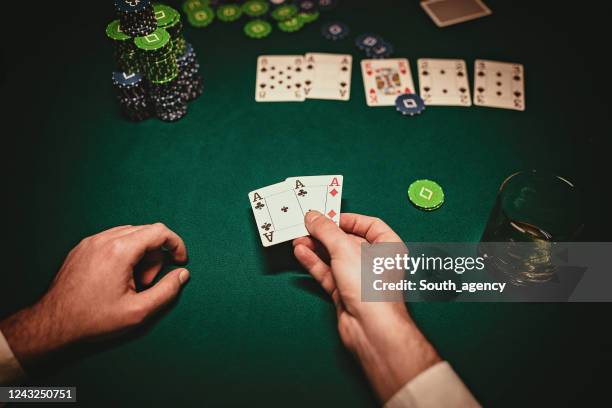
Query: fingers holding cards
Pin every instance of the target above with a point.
(279, 209)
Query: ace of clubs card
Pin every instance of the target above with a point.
(278, 214)
(327, 76)
(280, 78)
(319, 193)
(385, 79)
(444, 82)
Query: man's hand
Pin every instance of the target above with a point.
(382, 335)
(94, 293)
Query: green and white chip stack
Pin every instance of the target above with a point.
(159, 57)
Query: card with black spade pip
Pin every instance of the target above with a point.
(499, 84)
(278, 214)
(327, 76)
(280, 78)
(319, 193)
(444, 82)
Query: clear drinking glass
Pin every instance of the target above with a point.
(531, 207)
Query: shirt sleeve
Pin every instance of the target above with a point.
(10, 369)
(438, 386)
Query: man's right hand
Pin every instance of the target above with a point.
(94, 293)
(383, 336)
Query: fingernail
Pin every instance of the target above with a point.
(183, 276)
(311, 216)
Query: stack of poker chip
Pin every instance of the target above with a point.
(160, 66)
(189, 79)
(125, 50)
(374, 46)
(157, 71)
(132, 95)
(136, 17)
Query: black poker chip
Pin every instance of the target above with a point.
(334, 30)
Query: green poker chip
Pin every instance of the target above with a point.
(166, 16)
(426, 194)
(190, 6)
(157, 40)
(284, 12)
(291, 25)
(257, 29)
(113, 31)
(308, 17)
(255, 8)
(229, 12)
(202, 17)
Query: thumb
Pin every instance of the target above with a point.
(164, 291)
(325, 231)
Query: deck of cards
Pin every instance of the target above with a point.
(279, 209)
(295, 78)
(444, 82)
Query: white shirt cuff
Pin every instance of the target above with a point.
(438, 386)
(10, 369)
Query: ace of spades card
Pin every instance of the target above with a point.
(278, 214)
(280, 78)
(319, 193)
(327, 76)
(444, 82)
(499, 85)
(385, 79)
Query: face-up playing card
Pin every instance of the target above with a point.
(319, 193)
(444, 82)
(385, 79)
(449, 12)
(280, 78)
(499, 85)
(327, 76)
(278, 214)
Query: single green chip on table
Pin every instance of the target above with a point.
(255, 8)
(202, 17)
(192, 5)
(154, 41)
(426, 194)
(257, 29)
(291, 25)
(284, 12)
(229, 12)
(113, 31)
(308, 17)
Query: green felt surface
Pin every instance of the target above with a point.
(251, 328)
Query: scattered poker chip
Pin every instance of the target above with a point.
(308, 18)
(325, 5)
(307, 6)
(257, 29)
(291, 25)
(202, 17)
(255, 8)
(190, 6)
(426, 194)
(365, 41)
(334, 30)
(409, 104)
(229, 12)
(284, 12)
(380, 50)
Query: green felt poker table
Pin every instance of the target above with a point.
(251, 327)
